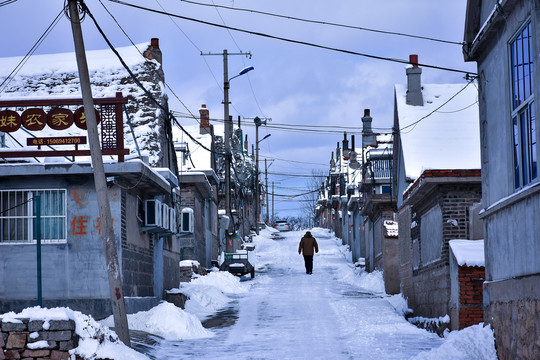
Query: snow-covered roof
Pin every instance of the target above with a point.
(201, 158)
(447, 139)
(56, 76)
(468, 252)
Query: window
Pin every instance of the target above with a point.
(17, 216)
(523, 117)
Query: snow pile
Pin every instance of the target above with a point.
(468, 252)
(96, 341)
(474, 342)
(318, 232)
(204, 300)
(166, 320)
(189, 263)
(222, 280)
(400, 304)
(427, 323)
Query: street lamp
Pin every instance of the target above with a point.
(258, 122)
(227, 139)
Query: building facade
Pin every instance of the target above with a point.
(503, 37)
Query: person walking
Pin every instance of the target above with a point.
(307, 245)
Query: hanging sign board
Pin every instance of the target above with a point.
(50, 115)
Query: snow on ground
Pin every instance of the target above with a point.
(339, 312)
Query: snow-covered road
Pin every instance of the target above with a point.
(288, 314)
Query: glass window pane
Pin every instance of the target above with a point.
(523, 147)
(532, 140)
(526, 69)
(517, 183)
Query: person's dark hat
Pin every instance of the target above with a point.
(308, 233)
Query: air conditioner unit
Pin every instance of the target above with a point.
(152, 212)
(172, 221)
(165, 216)
(186, 221)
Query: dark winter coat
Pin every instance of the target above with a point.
(307, 244)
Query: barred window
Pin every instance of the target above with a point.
(523, 117)
(17, 216)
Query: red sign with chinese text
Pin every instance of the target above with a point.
(9, 121)
(60, 118)
(34, 119)
(80, 118)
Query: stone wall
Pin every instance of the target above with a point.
(431, 290)
(37, 340)
(511, 308)
(517, 326)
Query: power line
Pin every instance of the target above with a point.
(23, 61)
(161, 78)
(325, 22)
(400, 61)
(298, 175)
(199, 50)
(413, 125)
(292, 161)
(243, 61)
(7, 2)
(137, 82)
(302, 128)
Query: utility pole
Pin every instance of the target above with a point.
(229, 247)
(113, 267)
(257, 196)
(273, 220)
(266, 184)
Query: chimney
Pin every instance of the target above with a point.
(246, 144)
(345, 147)
(153, 51)
(368, 137)
(414, 86)
(205, 120)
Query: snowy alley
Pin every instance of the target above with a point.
(336, 313)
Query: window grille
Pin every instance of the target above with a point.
(523, 117)
(17, 216)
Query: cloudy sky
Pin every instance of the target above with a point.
(292, 84)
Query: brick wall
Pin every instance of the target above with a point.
(16, 339)
(471, 280)
(137, 270)
(456, 201)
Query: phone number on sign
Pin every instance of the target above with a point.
(76, 140)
